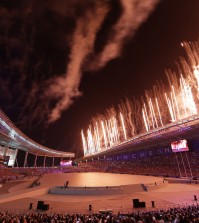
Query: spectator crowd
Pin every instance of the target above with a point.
(159, 165)
(171, 165)
(188, 214)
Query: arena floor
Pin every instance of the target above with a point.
(172, 195)
(95, 179)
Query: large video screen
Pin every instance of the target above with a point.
(66, 163)
(179, 146)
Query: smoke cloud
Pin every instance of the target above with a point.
(134, 13)
(40, 32)
(65, 88)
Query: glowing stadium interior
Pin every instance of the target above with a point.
(111, 88)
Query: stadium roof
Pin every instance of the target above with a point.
(11, 136)
(183, 129)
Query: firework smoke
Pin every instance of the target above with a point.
(134, 13)
(50, 92)
(65, 88)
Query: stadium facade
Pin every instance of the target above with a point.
(12, 140)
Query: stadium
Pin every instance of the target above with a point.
(138, 161)
(142, 174)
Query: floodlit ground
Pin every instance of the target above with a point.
(172, 195)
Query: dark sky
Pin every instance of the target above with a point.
(36, 41)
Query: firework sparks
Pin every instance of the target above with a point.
(123, 126)
(179, 102)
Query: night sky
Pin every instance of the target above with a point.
(44, 44)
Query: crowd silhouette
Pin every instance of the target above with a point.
(188, 214)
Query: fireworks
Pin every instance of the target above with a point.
(159, 107)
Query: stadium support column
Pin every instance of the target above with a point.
(60, 160)
(35, 163)
(53, 161)
(25, 160)
(44, 165)
(5, 151)
(15, 159)
(16, 162)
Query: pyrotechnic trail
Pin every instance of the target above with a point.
(134, 13)
(180, 101)
(66, 88)
(43, 32)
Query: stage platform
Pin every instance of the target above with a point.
(101, 183)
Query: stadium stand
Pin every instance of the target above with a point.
(159, 165)
(173, 215)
